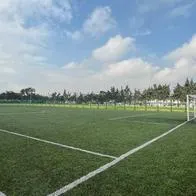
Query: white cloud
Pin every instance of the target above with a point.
(76, 35)
(71, 65)
(146, 6)
(182, 69)
(182, 10)
(184, 60)
(187, 50)
(18, 42)
(136, 72)
(99, 22)
(7, 70)
(135, 68)
(114, 49)
(23, 63)
(21, 43)
(137, 26)
(22, 47)
(143, 33)
(139, 73)
(36, 9)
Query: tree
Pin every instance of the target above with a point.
(127, 94)
(80, 98)
(157, 91)
(178, 92)
(54, 96)
(27, 93)
(165, 94)
(137, 95)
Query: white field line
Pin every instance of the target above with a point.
(14, 113)
(58, 144)
(75, 183)
(124, 117)
(192, 119)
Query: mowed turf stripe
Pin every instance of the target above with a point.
(124, 117)
(103, 168)
(58, 144)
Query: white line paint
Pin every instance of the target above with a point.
(192, 119)
(110, 164)
(124, 117)
(57, 144)
(14, 113)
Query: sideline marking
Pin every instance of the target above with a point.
(58, 144)
(75, 183)
(124, 117)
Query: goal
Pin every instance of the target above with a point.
(191, 107)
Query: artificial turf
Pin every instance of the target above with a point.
(167, 167)
(32, 168)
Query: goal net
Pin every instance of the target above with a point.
(191, 107)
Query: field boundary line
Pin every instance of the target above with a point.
(103, 168)
(124, 117)
(58, 144)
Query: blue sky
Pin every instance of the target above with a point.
(82, 45)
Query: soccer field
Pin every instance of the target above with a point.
(70, 151)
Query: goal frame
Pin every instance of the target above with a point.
(188, 107)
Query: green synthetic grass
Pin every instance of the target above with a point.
(167, 167)
(88, 129)
(31, 168)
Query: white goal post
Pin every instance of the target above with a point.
(191, 107)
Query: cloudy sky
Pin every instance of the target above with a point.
(90, 45)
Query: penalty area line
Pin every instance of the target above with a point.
(58, 144)
(103, 168)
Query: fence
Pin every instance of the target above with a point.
(142, 106)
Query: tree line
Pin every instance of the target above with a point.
(113, 95)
